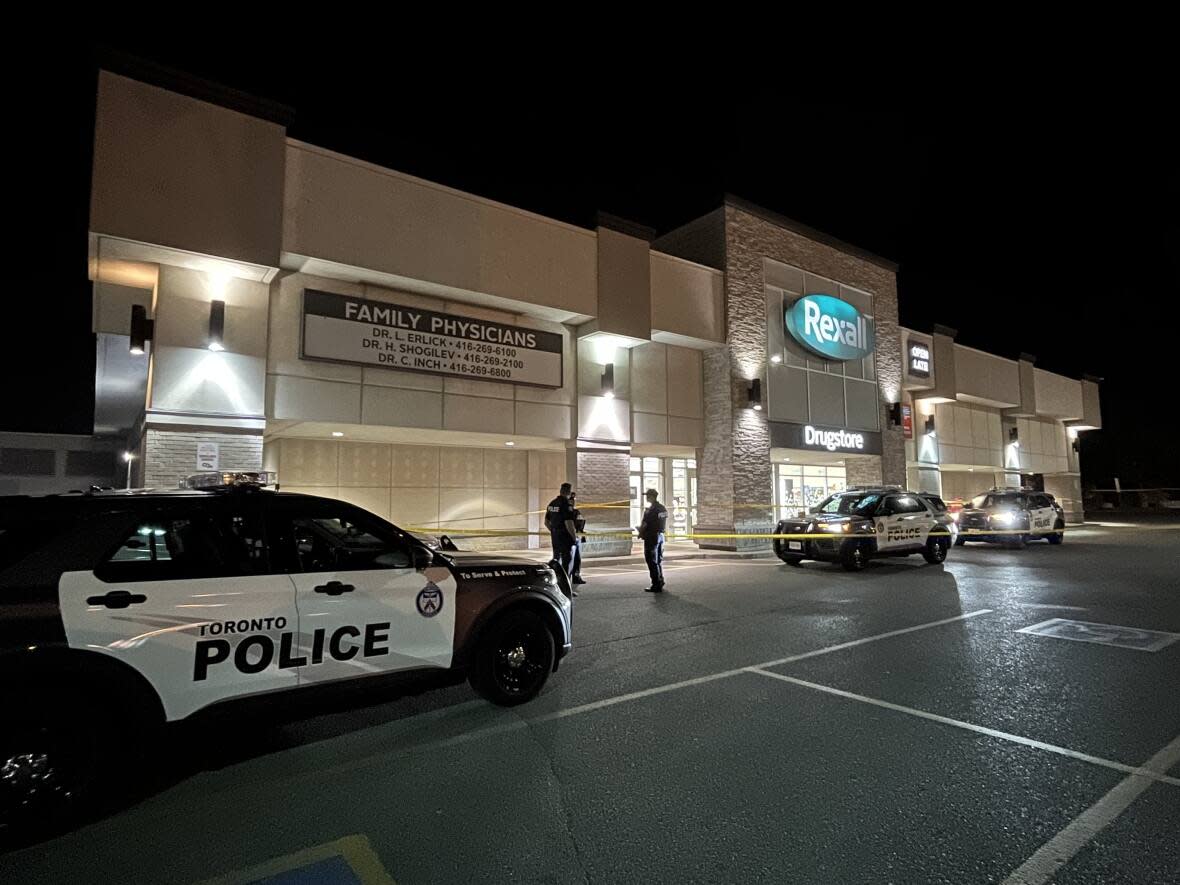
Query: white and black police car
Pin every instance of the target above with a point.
(1013, 517)
(861, 523)
(120, 611)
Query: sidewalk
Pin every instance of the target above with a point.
(673, 551)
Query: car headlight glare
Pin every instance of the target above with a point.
(1004, 518)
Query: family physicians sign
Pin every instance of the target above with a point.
(347, 329)
(831, 328)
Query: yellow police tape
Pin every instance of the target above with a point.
(779, 536)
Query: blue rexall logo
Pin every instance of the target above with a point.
(832, 328)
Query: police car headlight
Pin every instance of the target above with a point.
(955, 517)
(1005, 518)
(836, 528)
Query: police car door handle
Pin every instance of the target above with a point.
(117, 599)
(334, 588)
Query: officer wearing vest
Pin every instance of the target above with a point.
(559, 519)
(651, 532)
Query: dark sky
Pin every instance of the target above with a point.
(1030, 216)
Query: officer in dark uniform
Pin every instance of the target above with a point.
(559, 519)
(651, 532)
(580, 527)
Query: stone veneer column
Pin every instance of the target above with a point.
(601, 476)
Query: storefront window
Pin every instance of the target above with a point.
(802, 486)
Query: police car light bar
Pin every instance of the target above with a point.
(228, 479)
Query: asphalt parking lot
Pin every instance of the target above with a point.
(755, 723)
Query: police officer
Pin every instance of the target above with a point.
(559, 519)
(651, 532)
(580, 527)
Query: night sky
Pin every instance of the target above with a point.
(1032, 218)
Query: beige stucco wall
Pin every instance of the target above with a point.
(183, 173)
(986, 376)
(687, 299)
(186, 376)
(434, 487)
(354, 213)
(1057, 396)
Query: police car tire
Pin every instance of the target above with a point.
(854, 557)
(495, 673)
(1058, 536)
(58, 756)
(1018, 542)
(935, 550)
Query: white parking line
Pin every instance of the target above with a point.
(1059, 850)
(516, 724)
(1144, 772)
(1072, 608)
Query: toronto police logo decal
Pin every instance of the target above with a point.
(430, 600)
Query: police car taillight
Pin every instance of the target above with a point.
(227, 479)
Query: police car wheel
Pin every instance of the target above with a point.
(47, 766)
(1058, 535)
(514, 659)
(1018, 542)
(854, 558)
(935, 550)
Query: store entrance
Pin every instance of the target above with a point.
(662, 474)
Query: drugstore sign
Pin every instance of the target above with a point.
(831, 328)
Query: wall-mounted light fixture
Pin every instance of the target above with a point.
(1013, 436)
(608, 381)
(128, 457)
(754, 394)
(142, 329)
(930, 425)
(895, 414)
(1076, 444)
(216, 326)
(776, 359)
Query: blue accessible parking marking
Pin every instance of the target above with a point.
(347, 861)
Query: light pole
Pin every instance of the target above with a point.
(128, 457)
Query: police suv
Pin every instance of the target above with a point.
(1011, 516)
(122, 610)
(860, 523)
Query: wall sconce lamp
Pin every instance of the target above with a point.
(1013, 436)
(895, 414)
(217, 326)
(608, 381)
(755, 395)
(930, 425)
(1076, 443)
(776, 359)
(142, 329)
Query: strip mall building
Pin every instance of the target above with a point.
(444, 360)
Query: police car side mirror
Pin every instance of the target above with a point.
(422, 557)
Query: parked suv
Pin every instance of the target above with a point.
(120, 611)
(860, 523)
(1012, 517)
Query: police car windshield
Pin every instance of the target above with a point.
(851, 504)
(988, 502)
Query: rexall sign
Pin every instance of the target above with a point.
(832, 328)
